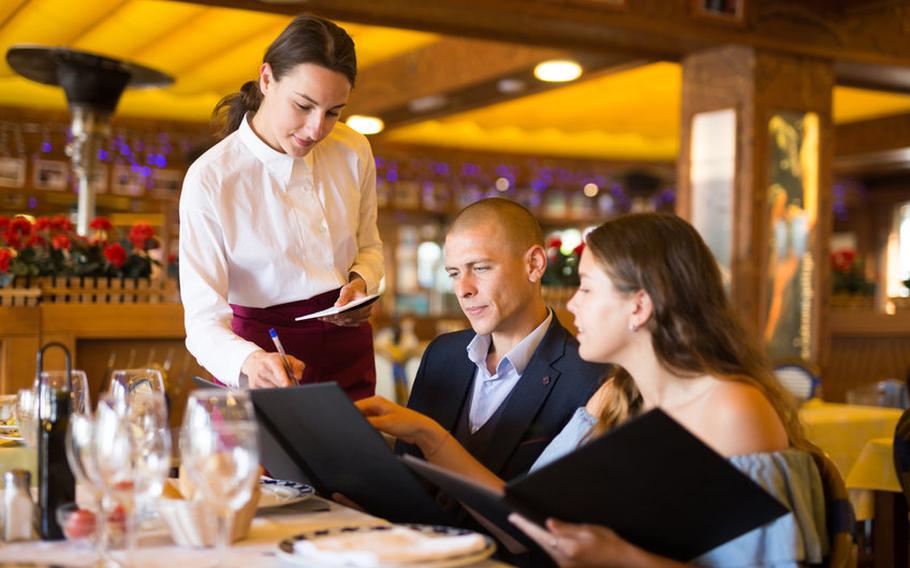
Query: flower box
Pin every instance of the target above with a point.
(31, 291)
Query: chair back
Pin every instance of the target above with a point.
(841, 520)
(902, 453)
(798, 379)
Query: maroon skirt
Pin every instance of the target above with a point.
(331, 352)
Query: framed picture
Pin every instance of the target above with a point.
(125, 181)
(167, 183)
(722, 11)
(99, 178)
(12, 172)
(436, 196)
(52, 175)
(407, 195)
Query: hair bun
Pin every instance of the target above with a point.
(251, 94)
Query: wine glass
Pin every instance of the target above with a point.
(131, 452)
(220, 450)
(127, 382)
(57, 380)
(27, 416)
(80, 455)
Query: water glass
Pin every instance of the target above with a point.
(56, 380)
(220, 451)
(27, 416)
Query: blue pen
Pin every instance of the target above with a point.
(284, 356)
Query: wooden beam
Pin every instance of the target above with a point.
(872, 34)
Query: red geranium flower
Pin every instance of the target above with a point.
(115, 254)
(6, 256)
(20, 226)
(554, 243)
(36, 241)
(579, 249)
(842, 260)
(61, 223)
(42, 223)
(140, 234)
(61, 242)
(4, 223)
(101, 224)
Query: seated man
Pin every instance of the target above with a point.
(506, 387)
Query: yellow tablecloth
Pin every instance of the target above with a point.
(874, 469)
(843, 432)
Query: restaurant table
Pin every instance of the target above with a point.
(259, 549)
(858, 441)
(16, 456)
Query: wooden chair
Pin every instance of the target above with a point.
(841, 520)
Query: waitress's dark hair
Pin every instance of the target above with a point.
(307, 39)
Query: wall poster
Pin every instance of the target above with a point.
(792, 208)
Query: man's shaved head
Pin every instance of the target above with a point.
(518, 228)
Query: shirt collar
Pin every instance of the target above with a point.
(519, 356)
(277, 162)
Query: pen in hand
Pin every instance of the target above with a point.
(284, 356)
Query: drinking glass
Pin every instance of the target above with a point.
(131, 452)
(82, 403)
(27, 416)
(128, 382)
(220, 450)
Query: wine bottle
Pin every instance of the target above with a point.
(56, 483)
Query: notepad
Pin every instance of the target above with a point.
(650, 480)
(358, 303)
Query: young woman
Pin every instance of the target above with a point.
(651, 301)
(278, 220)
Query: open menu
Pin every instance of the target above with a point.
(650, 480)
(358, 303)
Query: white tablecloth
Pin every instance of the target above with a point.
(257, 550)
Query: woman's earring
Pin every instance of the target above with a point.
(633, 327)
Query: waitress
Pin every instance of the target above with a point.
(278, 220)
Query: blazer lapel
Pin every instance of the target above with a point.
(454, 391)
(526, 398)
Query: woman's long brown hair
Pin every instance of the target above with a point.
(693, 327)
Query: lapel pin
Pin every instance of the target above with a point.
(545, 380)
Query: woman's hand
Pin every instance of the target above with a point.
(585, 545)
(265, 370)
(403, 423)
(356, 288)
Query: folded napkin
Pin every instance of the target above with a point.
(398, 545)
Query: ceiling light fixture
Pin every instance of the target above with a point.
(365, 124)
(557, 70)
(427, 103)
(591, 189)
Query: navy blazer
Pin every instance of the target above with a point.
(554, 384)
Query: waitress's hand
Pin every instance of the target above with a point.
(356, 288)
(266, 370)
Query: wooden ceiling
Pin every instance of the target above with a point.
(623, 107)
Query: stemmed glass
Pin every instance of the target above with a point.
(125, 382)
(56, 380)
(220, 450)
(131, 450)
(27, 416)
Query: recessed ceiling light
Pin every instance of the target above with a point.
(365, 124)
(557, 70)
(502, 184)
(591, 189)
(509, 86)
(428, 103)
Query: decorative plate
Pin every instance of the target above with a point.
(288, 551)
(279, 492)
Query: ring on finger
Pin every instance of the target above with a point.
(554, 543)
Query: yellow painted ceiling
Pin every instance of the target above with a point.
(210, 51)
(632, 114)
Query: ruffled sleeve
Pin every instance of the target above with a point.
(795, 539)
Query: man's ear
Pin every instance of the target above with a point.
(536, 263)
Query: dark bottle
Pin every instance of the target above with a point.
(56, 483)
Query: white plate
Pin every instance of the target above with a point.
(278, 492)
(287, 552)
(8, 427)
(9, 438)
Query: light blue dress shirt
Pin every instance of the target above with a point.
(491, 390)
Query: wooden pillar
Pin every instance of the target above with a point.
(779, 207)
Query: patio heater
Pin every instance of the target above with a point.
(93, 85)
